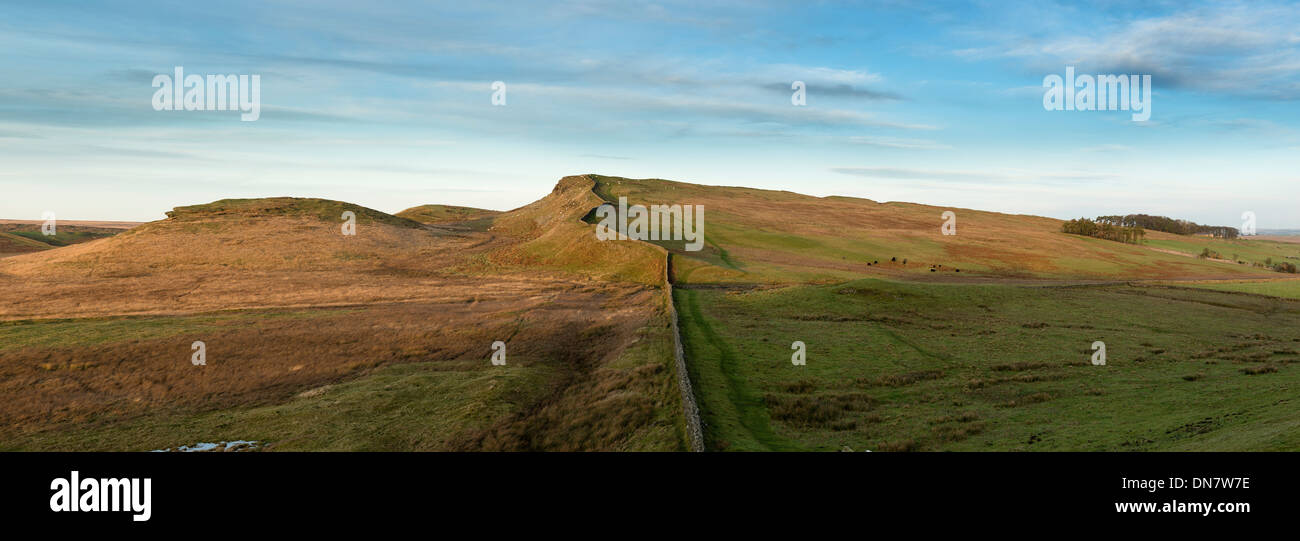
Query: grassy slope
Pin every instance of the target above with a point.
(408, 407)
(323, 209)
(595, 392)
(11, 243)
(273, 234)
(553, 235)
(784, 237)
(1248, 250)
(62, 238)
(895, 366)
(26, 238)
(916, 371)
(1287, 289)
(536, 402)
(443, 214)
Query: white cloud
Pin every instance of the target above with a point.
(1237, 49)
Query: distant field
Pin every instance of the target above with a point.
(105, 224)
(1289, 289)
(898, 366)
(442, 214)
(763, 236)
(17, 237)
(1251, 250)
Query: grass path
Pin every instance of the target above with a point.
(747, 403)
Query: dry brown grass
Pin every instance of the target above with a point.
(788, 237)
(238, 260)
(552, 235)
(393, 293)
(276, 358)
(104, 224)
(445, 214)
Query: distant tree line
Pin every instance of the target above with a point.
(1169, 225)
(1104, 230)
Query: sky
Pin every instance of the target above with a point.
(390, 104)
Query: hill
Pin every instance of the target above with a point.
(380, 340)
(783, 237)
(319, 340)
(551, 234)
(910, 354)
(445, 214)
(17, 237)
(11, 244)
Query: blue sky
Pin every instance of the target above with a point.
(388, 104)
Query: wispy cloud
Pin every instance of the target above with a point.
(1244, 49)
(394, 98)
(972, 175)
(897, 142)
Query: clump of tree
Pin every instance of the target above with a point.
(1169, 225)
(1207, 253)
(1104, 230)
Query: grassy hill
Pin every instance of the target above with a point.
(11, 244)
(551, 234)
(445, 214)
(318, 340)
(380, 340)
(994, 357)
(764, 236)
(21, 238)
(919, 356)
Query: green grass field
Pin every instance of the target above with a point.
(1288, 289)
(898, 366)
(1248, 250)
